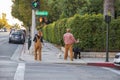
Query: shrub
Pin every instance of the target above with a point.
(89, 29)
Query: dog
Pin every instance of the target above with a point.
(59, 55)
(77, 53)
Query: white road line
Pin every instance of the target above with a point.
(17, 53)
(112, 70)
(19, 75)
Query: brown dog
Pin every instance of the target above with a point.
(38, 46)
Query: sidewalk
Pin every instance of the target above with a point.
(50, 55)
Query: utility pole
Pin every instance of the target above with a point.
(35, 6)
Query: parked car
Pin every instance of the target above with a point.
(117, 59)
(17, 37)
(3, 30)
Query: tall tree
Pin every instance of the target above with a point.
(21, 9)
(93, 7)
(117, 8)
(109, 7)
(71, 7)
(3, 21)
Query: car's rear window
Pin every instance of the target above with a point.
(16, 33)
(117, 56)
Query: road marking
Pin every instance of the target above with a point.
(17, 53)
(115, 71)
(19, 75)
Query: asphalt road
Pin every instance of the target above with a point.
(6, 49)
(68, 72)
(7, 65)
(11, 68)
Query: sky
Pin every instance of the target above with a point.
(5, 7)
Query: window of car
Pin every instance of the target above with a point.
(117, 56)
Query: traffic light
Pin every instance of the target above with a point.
(35, 4)
(41, 19)
(44, 20)
(107, 18)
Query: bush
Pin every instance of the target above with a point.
(89, 29)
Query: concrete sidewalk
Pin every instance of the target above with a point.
(50, 55)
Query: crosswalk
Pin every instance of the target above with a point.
(19, 74)
(10, 70)
(7, 70)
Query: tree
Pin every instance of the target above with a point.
(71, 7)
(22, 10)
(3, 21)
(54, 9)
(58, 9)
(109, 7)
(93, 7)
(117, 8)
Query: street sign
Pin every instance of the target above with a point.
(41, 13)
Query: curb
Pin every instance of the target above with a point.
(102, 64)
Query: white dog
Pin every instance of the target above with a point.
(59, 55)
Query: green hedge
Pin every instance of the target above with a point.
(89, 29)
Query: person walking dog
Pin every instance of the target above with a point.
(38, 45)
(69, 40)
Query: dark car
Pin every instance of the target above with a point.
(17, 37)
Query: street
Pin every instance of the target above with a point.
(12, 68)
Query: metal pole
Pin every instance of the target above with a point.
(107, 43)
(33, 30)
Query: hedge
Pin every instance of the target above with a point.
(89, 29)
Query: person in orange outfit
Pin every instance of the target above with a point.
(69, 40)
(38, 46)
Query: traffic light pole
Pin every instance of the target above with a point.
(35, 6)
(107, 20)
(107, 43)
(33, 30)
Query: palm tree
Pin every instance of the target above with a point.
(109, 7)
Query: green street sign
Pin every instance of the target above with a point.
(41, 13)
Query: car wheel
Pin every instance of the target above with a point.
(22, 42)
(9, 41)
